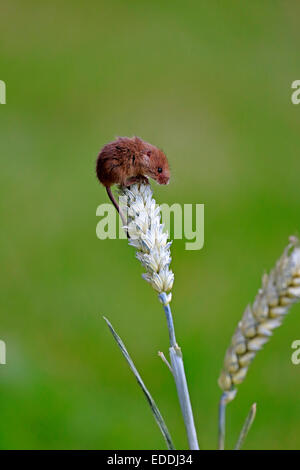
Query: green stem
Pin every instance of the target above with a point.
(222, 420)
(180, 378)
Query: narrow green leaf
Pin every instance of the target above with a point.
(158, 417)
(247, 425)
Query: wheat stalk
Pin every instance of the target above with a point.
(280, 290)
(146, 234)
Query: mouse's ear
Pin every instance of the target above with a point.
(146, 158)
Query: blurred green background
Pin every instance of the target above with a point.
(210, 83)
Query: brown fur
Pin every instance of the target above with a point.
(128, 160)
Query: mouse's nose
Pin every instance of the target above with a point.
(164, 179)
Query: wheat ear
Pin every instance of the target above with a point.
(147, 235)
(280, 290)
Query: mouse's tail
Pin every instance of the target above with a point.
(111, 197)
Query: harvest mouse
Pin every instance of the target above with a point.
(130, 160)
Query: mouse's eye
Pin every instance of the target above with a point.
(149, 153)
(159, 169)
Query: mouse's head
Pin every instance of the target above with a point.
(155, 164)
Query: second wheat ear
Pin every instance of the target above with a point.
(279, 291)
